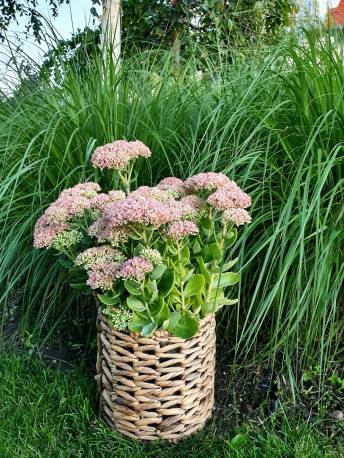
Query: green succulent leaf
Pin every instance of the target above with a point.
(173, 320)
(165, 324)
(148, 329)
(137, 322)
(150, 291)
(206, 223)
(135, 236)
(207, 307)
(226, 279)
(194, 286)
(186, 327)
(185, 255)
(137, 250)
(196, 247)
(132, 287)
(231, 237)
(163, 315)
(166, 282)
(212, 252)
(203, 268)
(188, 275)
(228, 265)
(135, 305)
(108, 299)
(216, 293)
(225, 301)
(158, 271)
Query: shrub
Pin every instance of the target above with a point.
(156, 253)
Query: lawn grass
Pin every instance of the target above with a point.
(49, 412)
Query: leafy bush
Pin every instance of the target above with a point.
(155, 253)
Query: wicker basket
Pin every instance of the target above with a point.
(156, 387)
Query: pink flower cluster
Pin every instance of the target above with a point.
(197, 203)
(119, 218)
(71, 203)
(98, 255)
(168, 182)
(102, 275)
(118, 154)
(205, 182)
(135, 268)
(46, 231)
(88, 189)
(229, 196)
(137, 211)
(181, 229)
(100, 201)
(146, 192)
(237, 216)
(103, 232)
(175, 186)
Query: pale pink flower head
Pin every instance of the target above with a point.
(180, 229)
(97, 228)
(152, 255)
(117, 236)
(170, 181)
(230, 196)
(117, 195)
(205, 182)
(98, 255)
(100, 201)
(180, 210)
(67, 207)
(114, 155)
(88, 189)
(102, 275)
(175, 186)
(195, 202)
(137, 211)
(135, 268)
(45, 232)
(71, 203)
(237, 216)
(104, 232)
(66, 239)
(118, 154)
(139, 149)
(146, 192)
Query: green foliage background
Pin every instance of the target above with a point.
(219, 23)
(272, 121)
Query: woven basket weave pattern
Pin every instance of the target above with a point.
(156, 387)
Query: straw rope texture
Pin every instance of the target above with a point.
(156, 387)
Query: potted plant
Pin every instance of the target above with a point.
(156, 260)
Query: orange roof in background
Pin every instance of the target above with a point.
(337, 14)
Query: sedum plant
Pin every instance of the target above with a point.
(154, 256)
